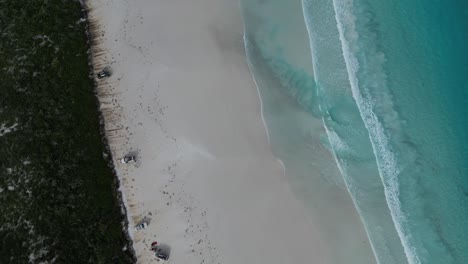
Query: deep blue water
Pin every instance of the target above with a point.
(389, 80)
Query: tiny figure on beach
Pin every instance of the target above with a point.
(154, 246)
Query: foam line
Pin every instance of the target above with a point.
(386, 159)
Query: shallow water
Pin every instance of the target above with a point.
(389, 81)
(283, 72)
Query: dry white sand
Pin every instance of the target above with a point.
(181, 96)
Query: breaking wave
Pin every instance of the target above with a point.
(372, 97)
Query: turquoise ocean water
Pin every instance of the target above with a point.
(388, 80)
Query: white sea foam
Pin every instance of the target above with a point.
(261, 103)
(336, 142)
(366, 102)
(246, 43)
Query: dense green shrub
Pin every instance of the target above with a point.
(57, 201)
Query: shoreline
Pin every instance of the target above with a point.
(194, 157)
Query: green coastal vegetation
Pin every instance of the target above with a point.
(58, 199)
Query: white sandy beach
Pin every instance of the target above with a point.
(181, 96)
